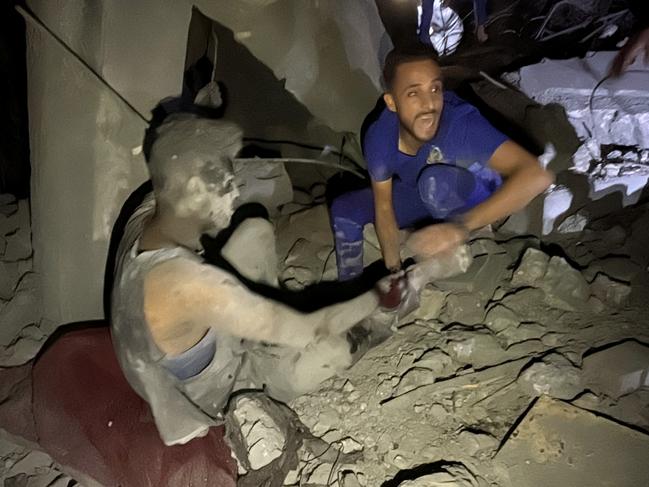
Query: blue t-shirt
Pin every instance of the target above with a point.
(464, 138)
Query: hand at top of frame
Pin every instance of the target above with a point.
(638, 44)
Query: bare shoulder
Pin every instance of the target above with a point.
(180, 296)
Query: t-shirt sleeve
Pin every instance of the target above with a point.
(381, 146)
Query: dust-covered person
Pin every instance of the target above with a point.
(187, 333)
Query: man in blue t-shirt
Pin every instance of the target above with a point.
(431, 156)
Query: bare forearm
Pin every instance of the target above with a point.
(342, 316)
(387, 232)
(516, 193)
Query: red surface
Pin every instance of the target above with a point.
(88, 418)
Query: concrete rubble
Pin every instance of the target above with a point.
(20, 307)
(611, 121)
(434, 403)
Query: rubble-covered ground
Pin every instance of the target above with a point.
(440, 402)
(21, 336)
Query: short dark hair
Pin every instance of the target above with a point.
(402, 55)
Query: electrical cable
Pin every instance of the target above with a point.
(31, 17)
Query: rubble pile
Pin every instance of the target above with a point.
(436, 403)
(20, 313)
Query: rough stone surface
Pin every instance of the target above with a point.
(611, 292)
(618, 370)
(263, 437)
(554, 375)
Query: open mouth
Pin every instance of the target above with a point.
(427, 121)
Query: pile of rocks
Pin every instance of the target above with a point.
(20, 311)
(435, 403)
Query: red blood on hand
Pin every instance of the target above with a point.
(390, 299)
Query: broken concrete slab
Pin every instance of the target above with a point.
(617, 370)
(560, 444)
(609, 291)
(553, 375)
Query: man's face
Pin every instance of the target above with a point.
(416, 97)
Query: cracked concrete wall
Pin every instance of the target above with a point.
(85, 141)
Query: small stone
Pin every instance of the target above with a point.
(554, 376)
(431, 303)
(574, 223)
(473, 443)
(350, 445)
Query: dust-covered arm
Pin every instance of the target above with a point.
(186, 293)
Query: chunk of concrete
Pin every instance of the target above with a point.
(554, 375)
(611, 292)
(532, 268)
(467, 308)
(262, 436)
(617, 370)
(482, 276)
(565, 287)
(500, 318)
(559, 444)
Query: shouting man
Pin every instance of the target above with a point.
(431, 157)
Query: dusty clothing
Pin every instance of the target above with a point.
(182, 409)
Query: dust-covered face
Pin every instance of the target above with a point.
(209, 195)
(192, 160)
(416, 97)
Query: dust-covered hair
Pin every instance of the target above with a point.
(401, 55)
(185, 143)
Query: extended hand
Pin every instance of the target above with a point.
(392, 290)
(435, 239)
(637, 45)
